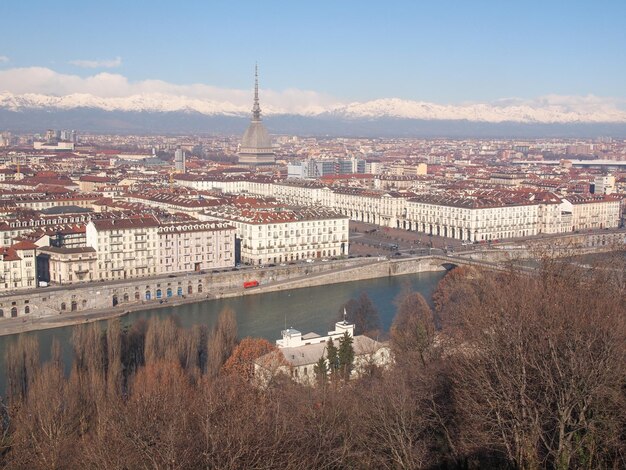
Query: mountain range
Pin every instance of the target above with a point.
(161, 113)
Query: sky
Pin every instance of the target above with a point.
(446, 52)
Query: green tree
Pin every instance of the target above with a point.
(321, 371)
(333, 357)
(346, 355)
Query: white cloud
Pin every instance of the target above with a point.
(98, 64)
(41, 80)
(3, 59)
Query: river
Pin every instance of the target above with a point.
(264, 315)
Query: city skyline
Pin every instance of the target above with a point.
(560, 56)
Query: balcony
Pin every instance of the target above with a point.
(81, 271)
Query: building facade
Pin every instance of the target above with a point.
(195, 246)
(277, 234)
(126, 248)
(464, 215)
(67, 265)
(18, 266)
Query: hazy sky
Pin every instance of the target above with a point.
(438, 51)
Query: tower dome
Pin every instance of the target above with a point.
(256, 145)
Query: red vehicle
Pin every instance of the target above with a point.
(248, 284)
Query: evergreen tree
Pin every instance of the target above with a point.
(332, 356)
(321, 371)
(345, 355)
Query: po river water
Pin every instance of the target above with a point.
(265, 315)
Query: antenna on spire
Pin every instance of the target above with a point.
(256, 108)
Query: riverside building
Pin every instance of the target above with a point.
(272, 233)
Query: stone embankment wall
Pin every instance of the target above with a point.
(373, 270)
(150, 292)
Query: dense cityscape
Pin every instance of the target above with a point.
(79, 208)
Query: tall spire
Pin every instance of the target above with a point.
(256, 109)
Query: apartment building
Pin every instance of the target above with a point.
(472, 218)
(593, 211)
(277, 234)
(18, 266)
(195, 246)
(63, 265)
(126, 248)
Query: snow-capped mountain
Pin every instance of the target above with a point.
(537, 112)
(506, 112)
(155, 102)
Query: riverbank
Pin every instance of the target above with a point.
(226, 285)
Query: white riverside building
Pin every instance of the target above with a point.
(302, 352)
(465, 215)
(143, 246)
(270, 234)
(195, 246)
(126, 248)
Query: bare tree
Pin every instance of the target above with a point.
(162, 340)
(362, 312)
(45, 429)
(22, 364)
(539, 370)
(222, 341)
(413, 328)
(114, 358)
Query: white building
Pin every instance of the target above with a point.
(64, 146)
(472, 218)
(126, 248)
(70, 265)
(302, 352)
(18, 266)
(604, 184)
(592, 211)
(277, 234)
(466, 215)
(195, 246)
(179, 160)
